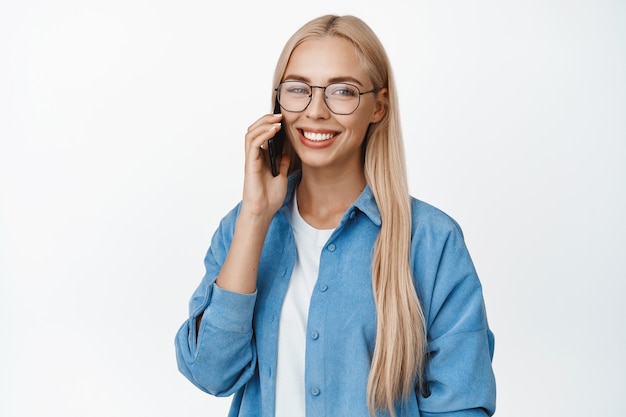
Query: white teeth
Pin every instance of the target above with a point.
(318, 137)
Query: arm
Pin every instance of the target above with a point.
(238, 274)
(215, 347)
(459, 374)
(263, 195)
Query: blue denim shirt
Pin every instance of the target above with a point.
(235, 349)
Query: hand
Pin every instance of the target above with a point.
(263, 194)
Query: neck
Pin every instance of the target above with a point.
(323, 198)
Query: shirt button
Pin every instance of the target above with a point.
(331, 247)
(323, 288)
(315, 391)
(352, 214)
(315, 335)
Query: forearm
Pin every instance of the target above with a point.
(239, 272)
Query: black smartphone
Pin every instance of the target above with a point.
(275, 146)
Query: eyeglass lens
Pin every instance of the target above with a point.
(341, 98)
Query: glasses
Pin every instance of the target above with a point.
(340, 98)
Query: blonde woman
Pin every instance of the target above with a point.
(329, 291)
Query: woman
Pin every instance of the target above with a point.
(329, 291)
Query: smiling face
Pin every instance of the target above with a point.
(322, 139)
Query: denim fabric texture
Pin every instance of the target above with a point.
(235, 349)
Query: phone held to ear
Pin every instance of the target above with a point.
(275, 146)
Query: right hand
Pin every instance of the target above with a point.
(263, 194)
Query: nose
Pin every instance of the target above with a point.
(317, 108)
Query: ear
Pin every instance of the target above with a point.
(382, 104)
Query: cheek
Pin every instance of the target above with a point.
(287, 124)
(359, 126)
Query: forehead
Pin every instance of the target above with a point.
(321, 60)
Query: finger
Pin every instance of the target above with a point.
(261, 132)
(264, 120)
(257, 138)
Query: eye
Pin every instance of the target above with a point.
(342, 90)
(296, 89)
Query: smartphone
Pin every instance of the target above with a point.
(275, 146)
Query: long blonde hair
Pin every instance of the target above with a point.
(400, 350)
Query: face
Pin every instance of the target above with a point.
(322, 139)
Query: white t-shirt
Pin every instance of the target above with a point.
(290, 396)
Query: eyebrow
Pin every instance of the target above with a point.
(342, 79)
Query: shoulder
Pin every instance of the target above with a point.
(227, 223)
(430, 220)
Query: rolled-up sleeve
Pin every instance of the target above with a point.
(220, 357)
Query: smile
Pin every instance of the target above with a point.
(317, 137)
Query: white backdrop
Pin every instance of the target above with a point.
(121, 129)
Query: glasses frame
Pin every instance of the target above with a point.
(373, 90)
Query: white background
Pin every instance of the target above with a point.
(121, 129)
